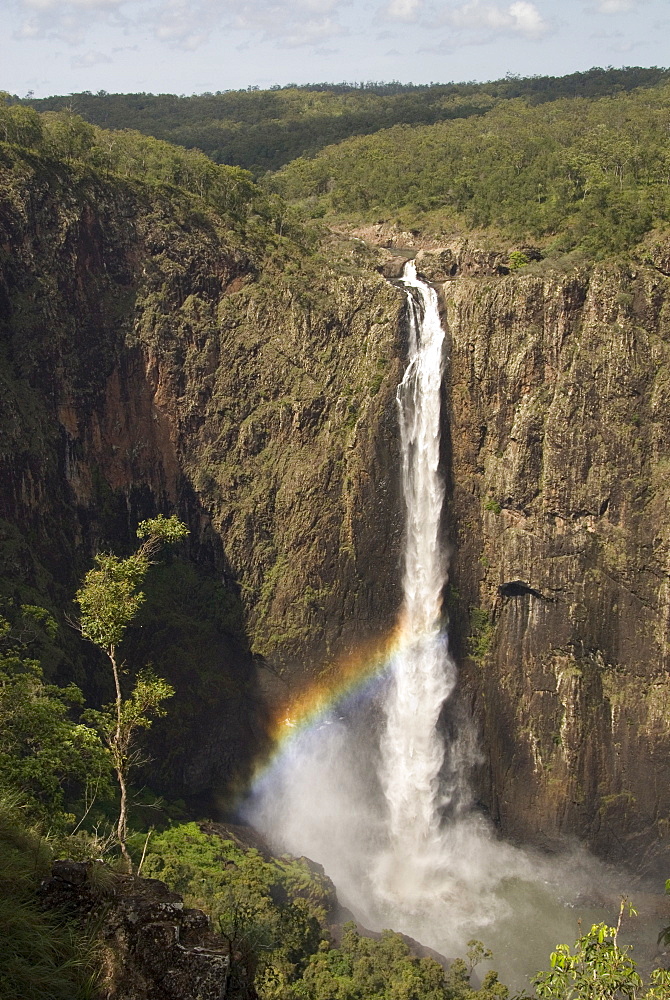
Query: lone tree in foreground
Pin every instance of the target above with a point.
(110, 598)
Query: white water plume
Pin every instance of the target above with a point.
(423, 674)
(438, 856)
(375, 791)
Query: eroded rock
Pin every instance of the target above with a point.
(153, 947)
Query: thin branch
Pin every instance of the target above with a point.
(144, 852)
(91, 804)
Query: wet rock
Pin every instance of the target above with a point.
(393, 268)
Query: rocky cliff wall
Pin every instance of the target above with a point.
(152, 360)
(155, 360)
(557, 450)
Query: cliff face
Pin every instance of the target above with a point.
(152, 361)
(556, 446)
(149, 365)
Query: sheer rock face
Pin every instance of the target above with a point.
(557, 445)
(149, 366)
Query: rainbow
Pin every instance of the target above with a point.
(348, 677)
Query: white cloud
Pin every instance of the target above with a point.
(183, 24)
(519, 18)
(403, 10)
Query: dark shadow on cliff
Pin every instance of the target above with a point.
(191, 629)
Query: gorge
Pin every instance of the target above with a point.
(154, 360)
(374, 781)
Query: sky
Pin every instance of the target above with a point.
(197, 46)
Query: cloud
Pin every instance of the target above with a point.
(403, 10)
(88, 59)
(67, 20)
(183, 24)
(290, 23)
(491, 19)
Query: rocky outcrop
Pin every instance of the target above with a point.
(556, 446)
(152, 947)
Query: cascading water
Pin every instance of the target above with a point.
(387, 809)
(423, 674)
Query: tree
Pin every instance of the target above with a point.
(43, 750)
(598, 969)
(109, 599)
(269, 910)
(66, 135)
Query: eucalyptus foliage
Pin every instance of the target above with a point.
(109, 600)
(45, 749)
(598, 968)
(264, 129)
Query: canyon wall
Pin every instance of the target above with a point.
(155, 360)
(557, 449)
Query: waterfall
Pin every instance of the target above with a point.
(423, 674)
(377, 788)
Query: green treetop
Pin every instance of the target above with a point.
(109, 599)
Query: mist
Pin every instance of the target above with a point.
(375, 791)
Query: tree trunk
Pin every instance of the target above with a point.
(120, 764)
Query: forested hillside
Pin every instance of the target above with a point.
(592, 174)
(264, 129)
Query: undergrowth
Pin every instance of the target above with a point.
(43, 957)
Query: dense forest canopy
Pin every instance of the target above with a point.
(580, 162)
(258, 218)
(584, 173)
(264, 129)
